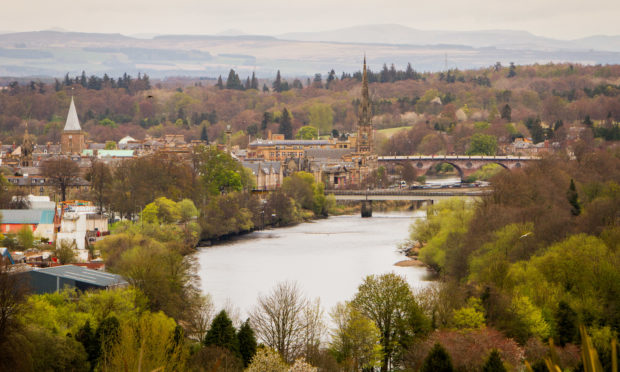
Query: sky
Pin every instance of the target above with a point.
(560, 19)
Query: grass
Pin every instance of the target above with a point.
(389, 132)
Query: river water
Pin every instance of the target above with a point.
(328, 258)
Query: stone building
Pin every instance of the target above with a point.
(72, 139)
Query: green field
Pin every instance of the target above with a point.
(389, 132)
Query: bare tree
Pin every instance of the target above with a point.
(62, 172)
(100, 178)
(287, 321)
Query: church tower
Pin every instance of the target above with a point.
(72, 138)
(26, 149)
(365, 140)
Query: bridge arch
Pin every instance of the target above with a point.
(426, 167)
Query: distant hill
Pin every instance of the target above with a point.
(55, 53)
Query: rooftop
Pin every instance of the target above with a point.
(82, 274)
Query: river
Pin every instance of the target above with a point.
(328, 258)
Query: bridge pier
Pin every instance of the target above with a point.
(366, 208)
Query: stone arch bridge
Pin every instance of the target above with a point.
(464, 165)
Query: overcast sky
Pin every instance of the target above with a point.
(562, 19)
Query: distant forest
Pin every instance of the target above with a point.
(442, 110)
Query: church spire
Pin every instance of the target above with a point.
(364, 126)
(72, 123)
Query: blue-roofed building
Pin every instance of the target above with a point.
(41, 221)
(54, 279)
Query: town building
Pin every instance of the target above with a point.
(72, 139)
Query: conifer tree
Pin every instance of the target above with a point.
(507, 112)
(220, 84)
(254, 82)
(285, 125)
(222, 333)
(277, 84)
(565, 319)
(573, 199)
(437, 360)
(265, 89)
(247, 342)
(494, 363)
(247, 83)
(204, 136)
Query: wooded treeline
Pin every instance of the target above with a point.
(447, 107)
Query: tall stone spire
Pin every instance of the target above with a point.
(72, 123)
(364, 125)
(72, 140)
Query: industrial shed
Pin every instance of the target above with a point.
(53, 279)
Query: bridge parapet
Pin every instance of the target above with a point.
(457, 157)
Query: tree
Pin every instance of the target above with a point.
(566, 324)
(267, 359)
(494, 363)
(512, 71)
(482, 144)
(254, 82)
(307, 133)
(65, 252)
(387, 301)
(301, 365)
(62, 172)
(277, 84)
(321, 117)
(204, 136)
(100, 178)
(13, 292)
(285, 125)
(220, 83)
(355, 339)
(507, 112)
(25, 237)
(247, 342)
(233, 81)
(222, 333)
(573, 199)
(279, 320)
(437, 360)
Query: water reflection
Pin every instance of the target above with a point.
(328, 258)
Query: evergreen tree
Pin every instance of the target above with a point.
(247, 342)
(573, 199)
(222, 333)
(67, 81)
(565, 319)
(220, 83)
(86, 336)
(512, 71)
(247, 84)
(437, 360)
(330, 78)
(277, 84)
(266, 120)
(254, 82)
(409, 73)
(587, 121)
(494, 363)
(297, 84)
(233, 81)
(83, 80)
(204, 136)
(285, 125)
(507, 112)
(107, 335)
(265, 89)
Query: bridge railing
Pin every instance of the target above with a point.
(394, 192)
(458, 157)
